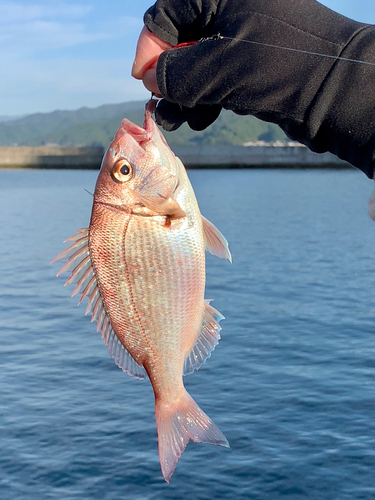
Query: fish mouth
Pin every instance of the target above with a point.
(139, 134)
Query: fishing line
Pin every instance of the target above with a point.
(280, 47)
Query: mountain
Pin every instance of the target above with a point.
(34, 129)
(97, 126)
(7, 118)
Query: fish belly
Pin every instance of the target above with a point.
(151, 276)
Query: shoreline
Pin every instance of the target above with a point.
(291, 155)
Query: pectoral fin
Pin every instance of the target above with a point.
(215, 241)
(163, 206)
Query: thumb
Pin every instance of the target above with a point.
(149, 47)
(150, 82)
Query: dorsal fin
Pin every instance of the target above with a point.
(83, 274)
(207, 339)
(215, 241)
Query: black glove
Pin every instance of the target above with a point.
(171, 116)
(327, 104)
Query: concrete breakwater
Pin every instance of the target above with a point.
(257, 156)
(50, 157)
(252, 156)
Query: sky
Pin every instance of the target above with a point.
(65, 54)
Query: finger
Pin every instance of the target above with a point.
(149, 47)
(149, 81)
(202, 115)
(171, 116)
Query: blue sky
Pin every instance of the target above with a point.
(64, 54)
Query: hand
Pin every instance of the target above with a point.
(275, 85)
(322, 102)
(170, 116)
(149, 47)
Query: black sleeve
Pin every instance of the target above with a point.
(326, 103)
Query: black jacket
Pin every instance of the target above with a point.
(328, 104)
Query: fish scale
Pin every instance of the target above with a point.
(141, 265)
(174, 293)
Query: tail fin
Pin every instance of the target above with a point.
(176, 425)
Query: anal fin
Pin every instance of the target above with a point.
(207, 339)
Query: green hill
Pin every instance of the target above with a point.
(97, 126)
(35, 129)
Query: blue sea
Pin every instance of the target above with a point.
(291, 384)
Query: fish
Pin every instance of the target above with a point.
(141, 264)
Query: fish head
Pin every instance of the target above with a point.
(139, 173)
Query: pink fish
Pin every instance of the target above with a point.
(141, 264)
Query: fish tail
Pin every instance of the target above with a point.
(176, 424)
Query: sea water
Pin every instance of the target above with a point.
(291, 384)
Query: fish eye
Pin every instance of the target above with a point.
(122, 171)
